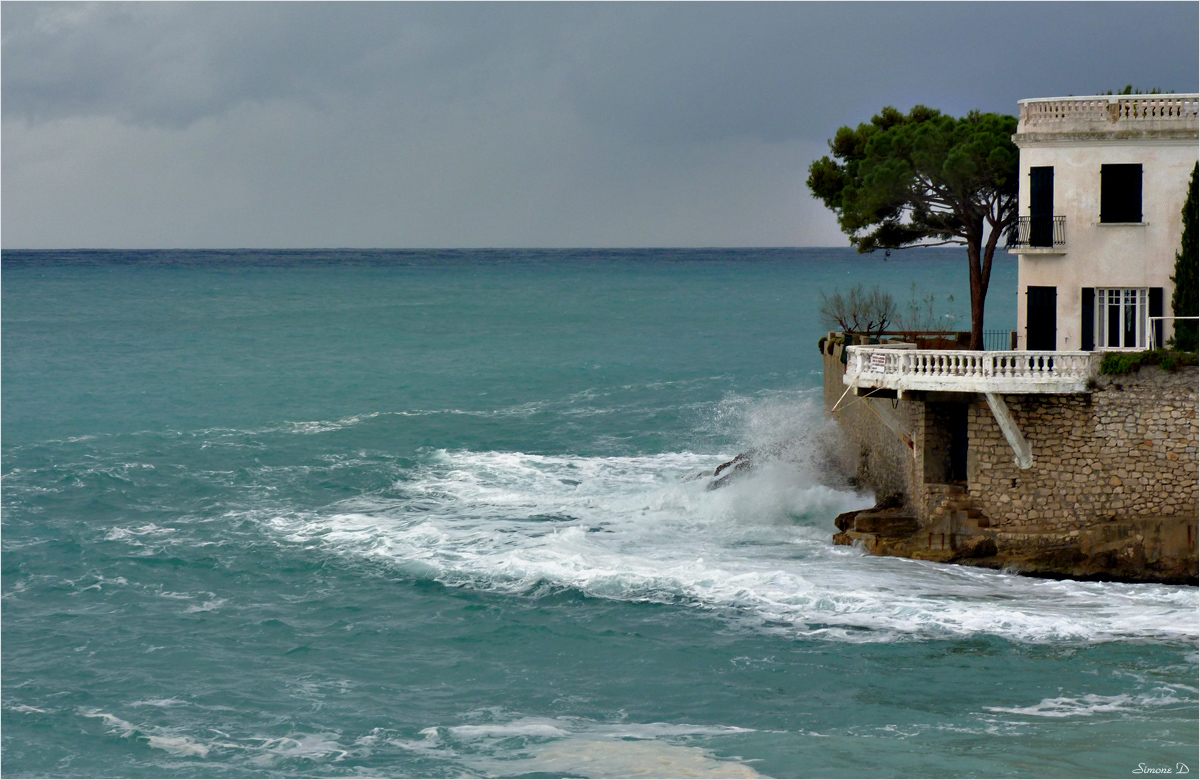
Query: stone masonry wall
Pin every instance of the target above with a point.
(1113, 493)
(868, 450)
(1126, 450)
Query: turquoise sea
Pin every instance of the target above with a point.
(432, 514)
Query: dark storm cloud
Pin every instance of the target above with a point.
(464, 124)
(171, 64)
(786, 70)
(673, 71)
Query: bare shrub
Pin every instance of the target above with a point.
(859, 310)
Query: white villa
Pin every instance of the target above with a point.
(1103, 183)
(1103, 180)
(1029, 457)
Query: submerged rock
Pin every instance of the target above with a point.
(808, 450)
(732, 469)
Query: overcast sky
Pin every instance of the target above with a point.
(504, 125)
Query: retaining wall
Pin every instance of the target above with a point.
(1113, 492)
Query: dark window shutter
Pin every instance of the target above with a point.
(1108, 188)
(1087, 320)
(1041, 206)
(1135, 194)
(1121, 193)
(1156, 310)
(1041, 326)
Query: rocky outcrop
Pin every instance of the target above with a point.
(1151, 549)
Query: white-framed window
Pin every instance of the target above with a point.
(1121, 317)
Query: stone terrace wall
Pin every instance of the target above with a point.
(1125, 451)
(868, 450)
(1112, 493)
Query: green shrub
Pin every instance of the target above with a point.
(1127, 362)
(1184, 301)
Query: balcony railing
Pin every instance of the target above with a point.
(896, 367)
(993, 340)
(1099, 111)
(1038, 233)
(999, 340)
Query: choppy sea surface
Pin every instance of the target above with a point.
(431, 514)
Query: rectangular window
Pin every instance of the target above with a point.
(1121, 318)
(1121, 193)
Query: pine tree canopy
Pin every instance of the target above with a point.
(921, 177)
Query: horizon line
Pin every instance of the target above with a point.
(452, 248)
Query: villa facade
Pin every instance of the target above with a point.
(1103, 180)
(1029, 457)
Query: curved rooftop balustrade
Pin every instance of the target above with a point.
(1109, 114)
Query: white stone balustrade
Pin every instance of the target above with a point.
(1134, 112)
(892, 368)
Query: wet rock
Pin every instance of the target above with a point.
(731, 469)
(888, 522)
(808, 450)
(977, 547)
(845, 521)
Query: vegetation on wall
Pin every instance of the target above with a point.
(1129, 362)
(1184, 300)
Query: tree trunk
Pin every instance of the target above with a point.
(985, 278)
(979, 285)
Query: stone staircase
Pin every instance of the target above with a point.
(954, 521)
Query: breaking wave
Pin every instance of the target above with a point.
(757, 551)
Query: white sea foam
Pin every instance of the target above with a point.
(263, 751)
(117, 533)
(158, 703)
(312, 746)
(528, 728)
(324, 426)
(758, 550)
(184, 746)
(24, 708)
(1092, 704)
(159, 739)
(576, 746)
(623, 758)
(112, 721)
(207, 606)
(97, 582)
(495, 746)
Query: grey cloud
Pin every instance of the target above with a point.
(171, 64)
(542, 124)
(650, 72)
(785, 70)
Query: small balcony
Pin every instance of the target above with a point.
(902, 367)
(1038, 235)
